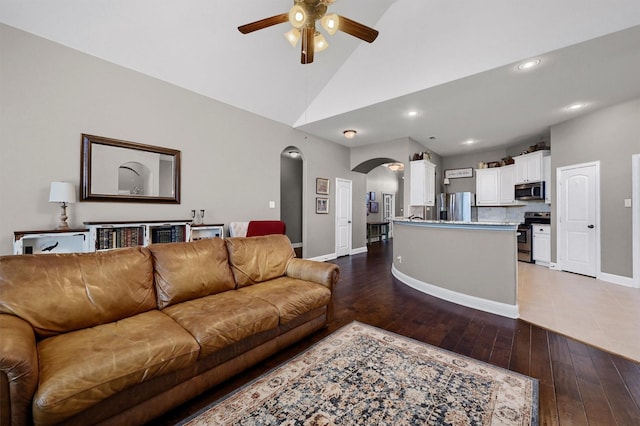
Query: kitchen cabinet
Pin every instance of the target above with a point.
(487, 187)
(507, 181)
(546, 167)
(542, 244)
(423, 183)
(530, 167)
(495, 186)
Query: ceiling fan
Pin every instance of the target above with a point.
(303, 16)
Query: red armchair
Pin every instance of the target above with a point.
(265, 227)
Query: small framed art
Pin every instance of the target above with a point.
(322, 205)
(373, 207)
(322, 186)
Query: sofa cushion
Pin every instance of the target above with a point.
(291, 296)
(58, 293)
(185, 271)
(258, 259)
(81, 368)
(223, 319)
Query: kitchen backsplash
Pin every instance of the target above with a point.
(510, 214)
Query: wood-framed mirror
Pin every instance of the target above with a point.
(121, 171)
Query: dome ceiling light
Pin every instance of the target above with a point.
(349, 134)
(532, 63)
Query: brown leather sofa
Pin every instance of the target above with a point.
(122, 336)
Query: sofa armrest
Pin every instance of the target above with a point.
(323, 273)
(18, 370)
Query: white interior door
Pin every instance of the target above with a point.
(388, 211)
(578, 219)
(343, 217)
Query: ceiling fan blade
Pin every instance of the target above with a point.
(356, 29)
(263, 23)
(307, 45)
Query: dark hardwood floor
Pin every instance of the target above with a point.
(579, 385)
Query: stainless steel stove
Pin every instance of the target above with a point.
(525, 235)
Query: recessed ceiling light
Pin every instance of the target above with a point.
(469, 142)
(349, 134)
(576, 106)
(529, 64)
(412, 113)
(294, 154)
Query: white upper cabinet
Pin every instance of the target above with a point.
(546, 166)
(495, 186)
(423, 183)
(530, 167)
(507, 184)
(487, 187)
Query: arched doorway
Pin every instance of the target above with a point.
(133, 178)
(384, 195)
(291, 195)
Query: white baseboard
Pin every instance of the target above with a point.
(324, 257)
(498, 308)
(359, 250)
(616, 279)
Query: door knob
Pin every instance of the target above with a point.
(590, 226)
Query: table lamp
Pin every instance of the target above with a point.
(63, 193)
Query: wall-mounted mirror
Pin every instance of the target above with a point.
(115, 170)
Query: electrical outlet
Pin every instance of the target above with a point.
(399, 259)
(272, 204)
(627, 202)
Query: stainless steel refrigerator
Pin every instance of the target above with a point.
(458, 206)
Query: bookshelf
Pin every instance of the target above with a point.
(98, 236)
(111, 235)
(51, 241)
(199, 232)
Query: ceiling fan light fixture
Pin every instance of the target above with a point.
(293, 35)
(297, 16)
(319, 42)
(330, 23)
(349, 134)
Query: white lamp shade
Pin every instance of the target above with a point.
(62, 192)
(297, 16)
(293, 36)
(330, 23)
(319, 42)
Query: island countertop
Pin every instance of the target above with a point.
(453, 223)
(469, 263)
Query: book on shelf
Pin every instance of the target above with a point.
(109, 238)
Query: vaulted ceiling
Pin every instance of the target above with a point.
(452, 62)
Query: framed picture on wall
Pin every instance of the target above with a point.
(322, 186)
(322, 205)
(373, 207)
(372, 196)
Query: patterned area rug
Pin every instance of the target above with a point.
(362, 375)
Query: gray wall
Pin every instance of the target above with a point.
(610, 136)
(230, 158)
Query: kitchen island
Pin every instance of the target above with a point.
(474, 264)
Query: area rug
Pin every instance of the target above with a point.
(362, 375)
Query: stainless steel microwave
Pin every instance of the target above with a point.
(530, 191)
